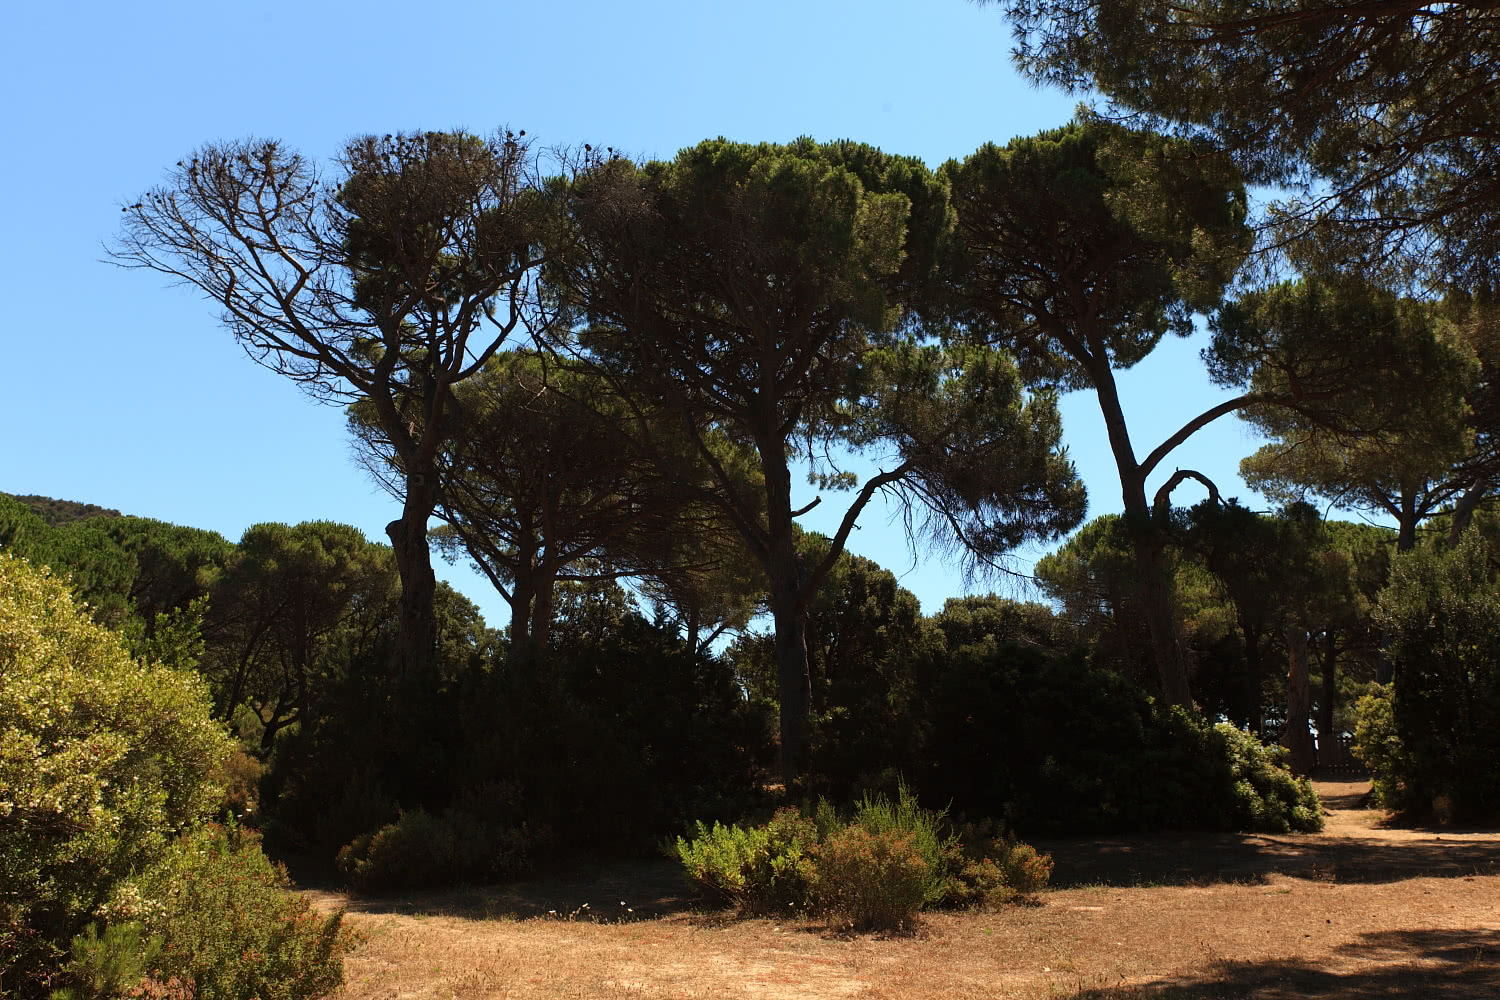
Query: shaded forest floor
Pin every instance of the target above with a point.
(1358, 911)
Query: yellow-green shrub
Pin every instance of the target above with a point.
(103, 760)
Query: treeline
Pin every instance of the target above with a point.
(1000, 708)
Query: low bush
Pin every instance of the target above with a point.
(109, 964)
(877, 870)
(421, 851)
(758, 869)
(873, 881)
(1377, 744)
(231, 926)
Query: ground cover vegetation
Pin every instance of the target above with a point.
(598, 377)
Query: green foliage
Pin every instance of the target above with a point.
(922, 830)
(1377, 743)
(1266, 796)
(1388, 105)
(107, 965)
(421, 851)
(1056, 746)
(875, 870)
(873, 880)
(102, 760)
(1441, 619)
(762, 869)
(234, 928)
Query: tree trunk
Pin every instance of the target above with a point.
(1406, 524)
(789, 611)
(1150, 547)
(1296, 737)
(1328, 702)
(416, 626)
(1156, 599)
(1254, 710)
(1463, 510)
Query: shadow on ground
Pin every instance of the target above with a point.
(1349, 853)
(1205, 859)
(1451, 964)
(616, 893)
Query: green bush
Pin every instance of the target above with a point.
(877, 814)
(873, 881)
(1437, 753)
(762, 869)
(103, 760)
(877, 870)
(420, 851)
(233, 928)
(1055, 746)
(106, 965)
(1377, 743)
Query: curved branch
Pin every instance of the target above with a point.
(1163, 501)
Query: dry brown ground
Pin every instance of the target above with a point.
(1358, 911)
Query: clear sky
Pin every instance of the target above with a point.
(126, 392)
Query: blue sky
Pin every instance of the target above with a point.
(126, 392)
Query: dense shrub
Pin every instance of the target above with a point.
(421, 850)
(1377, 743)
(873, 871)
(925, 829)
(231, 926)
(1052, 745)
(758, 869)
(872, 881)
(1441, 618)
(103, 760)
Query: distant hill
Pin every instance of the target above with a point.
(56, 512)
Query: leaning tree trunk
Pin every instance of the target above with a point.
(416, 626)
(1296, 737)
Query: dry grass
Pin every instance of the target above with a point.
(1358, 911)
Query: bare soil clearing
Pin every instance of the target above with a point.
(1358, 911)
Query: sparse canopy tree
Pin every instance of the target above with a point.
(761, 294)
(1085, 246)
(392, 282)
(1389, 104)
(1082, 248)
(1403, 447)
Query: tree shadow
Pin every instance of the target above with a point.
(1205, 859)
(617, 893)
(1453, 964)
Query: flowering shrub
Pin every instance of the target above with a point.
(103, 759)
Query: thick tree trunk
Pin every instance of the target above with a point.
(1406, 524)
(1296, 737)
(789, 611)
(416, 627)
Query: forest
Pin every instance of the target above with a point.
(596, 380)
